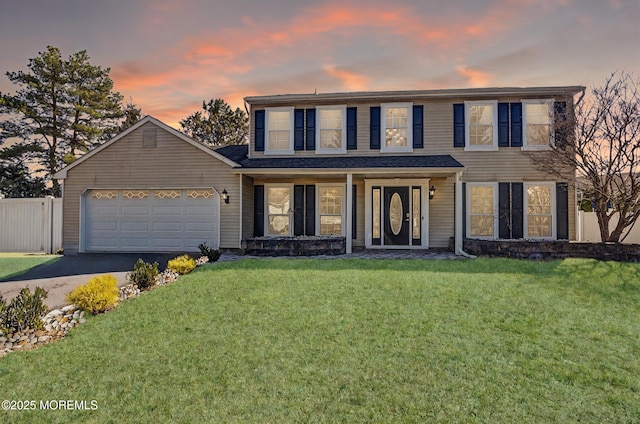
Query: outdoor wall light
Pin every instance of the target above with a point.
(225, 196)
(432, 192)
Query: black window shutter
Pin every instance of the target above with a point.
(458, 125)
(464, 210)
(517, 205)
(298, 210)
(354, 212)
(374, 128)
(516, 124)
(310, 210)
(352, 128)
(504, 210)
(503, 124)
(311, 129)
(560, 124)
(259, 130)
(258, 210)
(562, 211)
(298, 129)
(418, 126)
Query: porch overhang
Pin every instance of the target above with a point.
(436, 165)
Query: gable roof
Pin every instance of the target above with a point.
(62, 174)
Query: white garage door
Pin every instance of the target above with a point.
(173, 220)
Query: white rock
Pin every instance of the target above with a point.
(54, 313)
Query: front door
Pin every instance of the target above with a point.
(397, 216)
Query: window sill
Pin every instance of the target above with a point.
(331, 151)
(396, 149)
(279, 152)
(481, 149)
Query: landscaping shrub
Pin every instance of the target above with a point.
(24, 311)
(98, 295)
(144, 274)
(209, 252)
(182, 264)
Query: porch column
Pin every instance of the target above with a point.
(348, 213)
(241, 212)
(459, 218)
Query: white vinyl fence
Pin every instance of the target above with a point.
(31, 225)
(588, 229)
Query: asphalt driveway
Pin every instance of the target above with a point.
(63, 275)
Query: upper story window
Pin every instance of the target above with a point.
(331, 129)
(397, 124)
(279, 129)
(481, 125)
(537, 129)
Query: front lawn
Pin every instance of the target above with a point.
(282, 340)
(16, 263)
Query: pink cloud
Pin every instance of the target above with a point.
(474, 77)
(351, 81)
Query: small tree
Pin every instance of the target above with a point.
(218, 125)
(602, 143)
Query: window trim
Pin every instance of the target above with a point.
(266, 209)
(343, 206)
(468, 147)
(383, 128)
(496, 209)
(525, 145)
(525, 209)
(343, 143)
(267, 150)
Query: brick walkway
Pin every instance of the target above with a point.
(363, 254)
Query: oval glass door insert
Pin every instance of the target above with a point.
(395, 214)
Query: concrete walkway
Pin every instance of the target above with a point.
(68, 272)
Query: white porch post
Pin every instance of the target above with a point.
(348, 213)
(459, 218)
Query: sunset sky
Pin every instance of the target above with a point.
(170, 55)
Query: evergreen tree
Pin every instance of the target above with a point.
(218, 125)
(64, 106)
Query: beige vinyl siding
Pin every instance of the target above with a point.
(442, 212)
(172, 163)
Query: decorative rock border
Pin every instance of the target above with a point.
(58, 322)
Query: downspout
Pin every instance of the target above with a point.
(458, 250)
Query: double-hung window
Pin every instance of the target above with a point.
(330, 210)
(279, 205)
(481, 125)
(397, 124)
(279, 129)
(538, 128)
(540, 206)
(482, 201)
(331, 129)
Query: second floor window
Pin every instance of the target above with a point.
(331, 132)
(537, 123)
(481, 126)
(396, 125)
(279, 130)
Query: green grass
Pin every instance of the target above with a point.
(271, 341)
(17, 263)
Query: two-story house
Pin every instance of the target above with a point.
(391, 170)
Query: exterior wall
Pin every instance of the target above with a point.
(442, 212)
(507, 164)
(172, 163)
